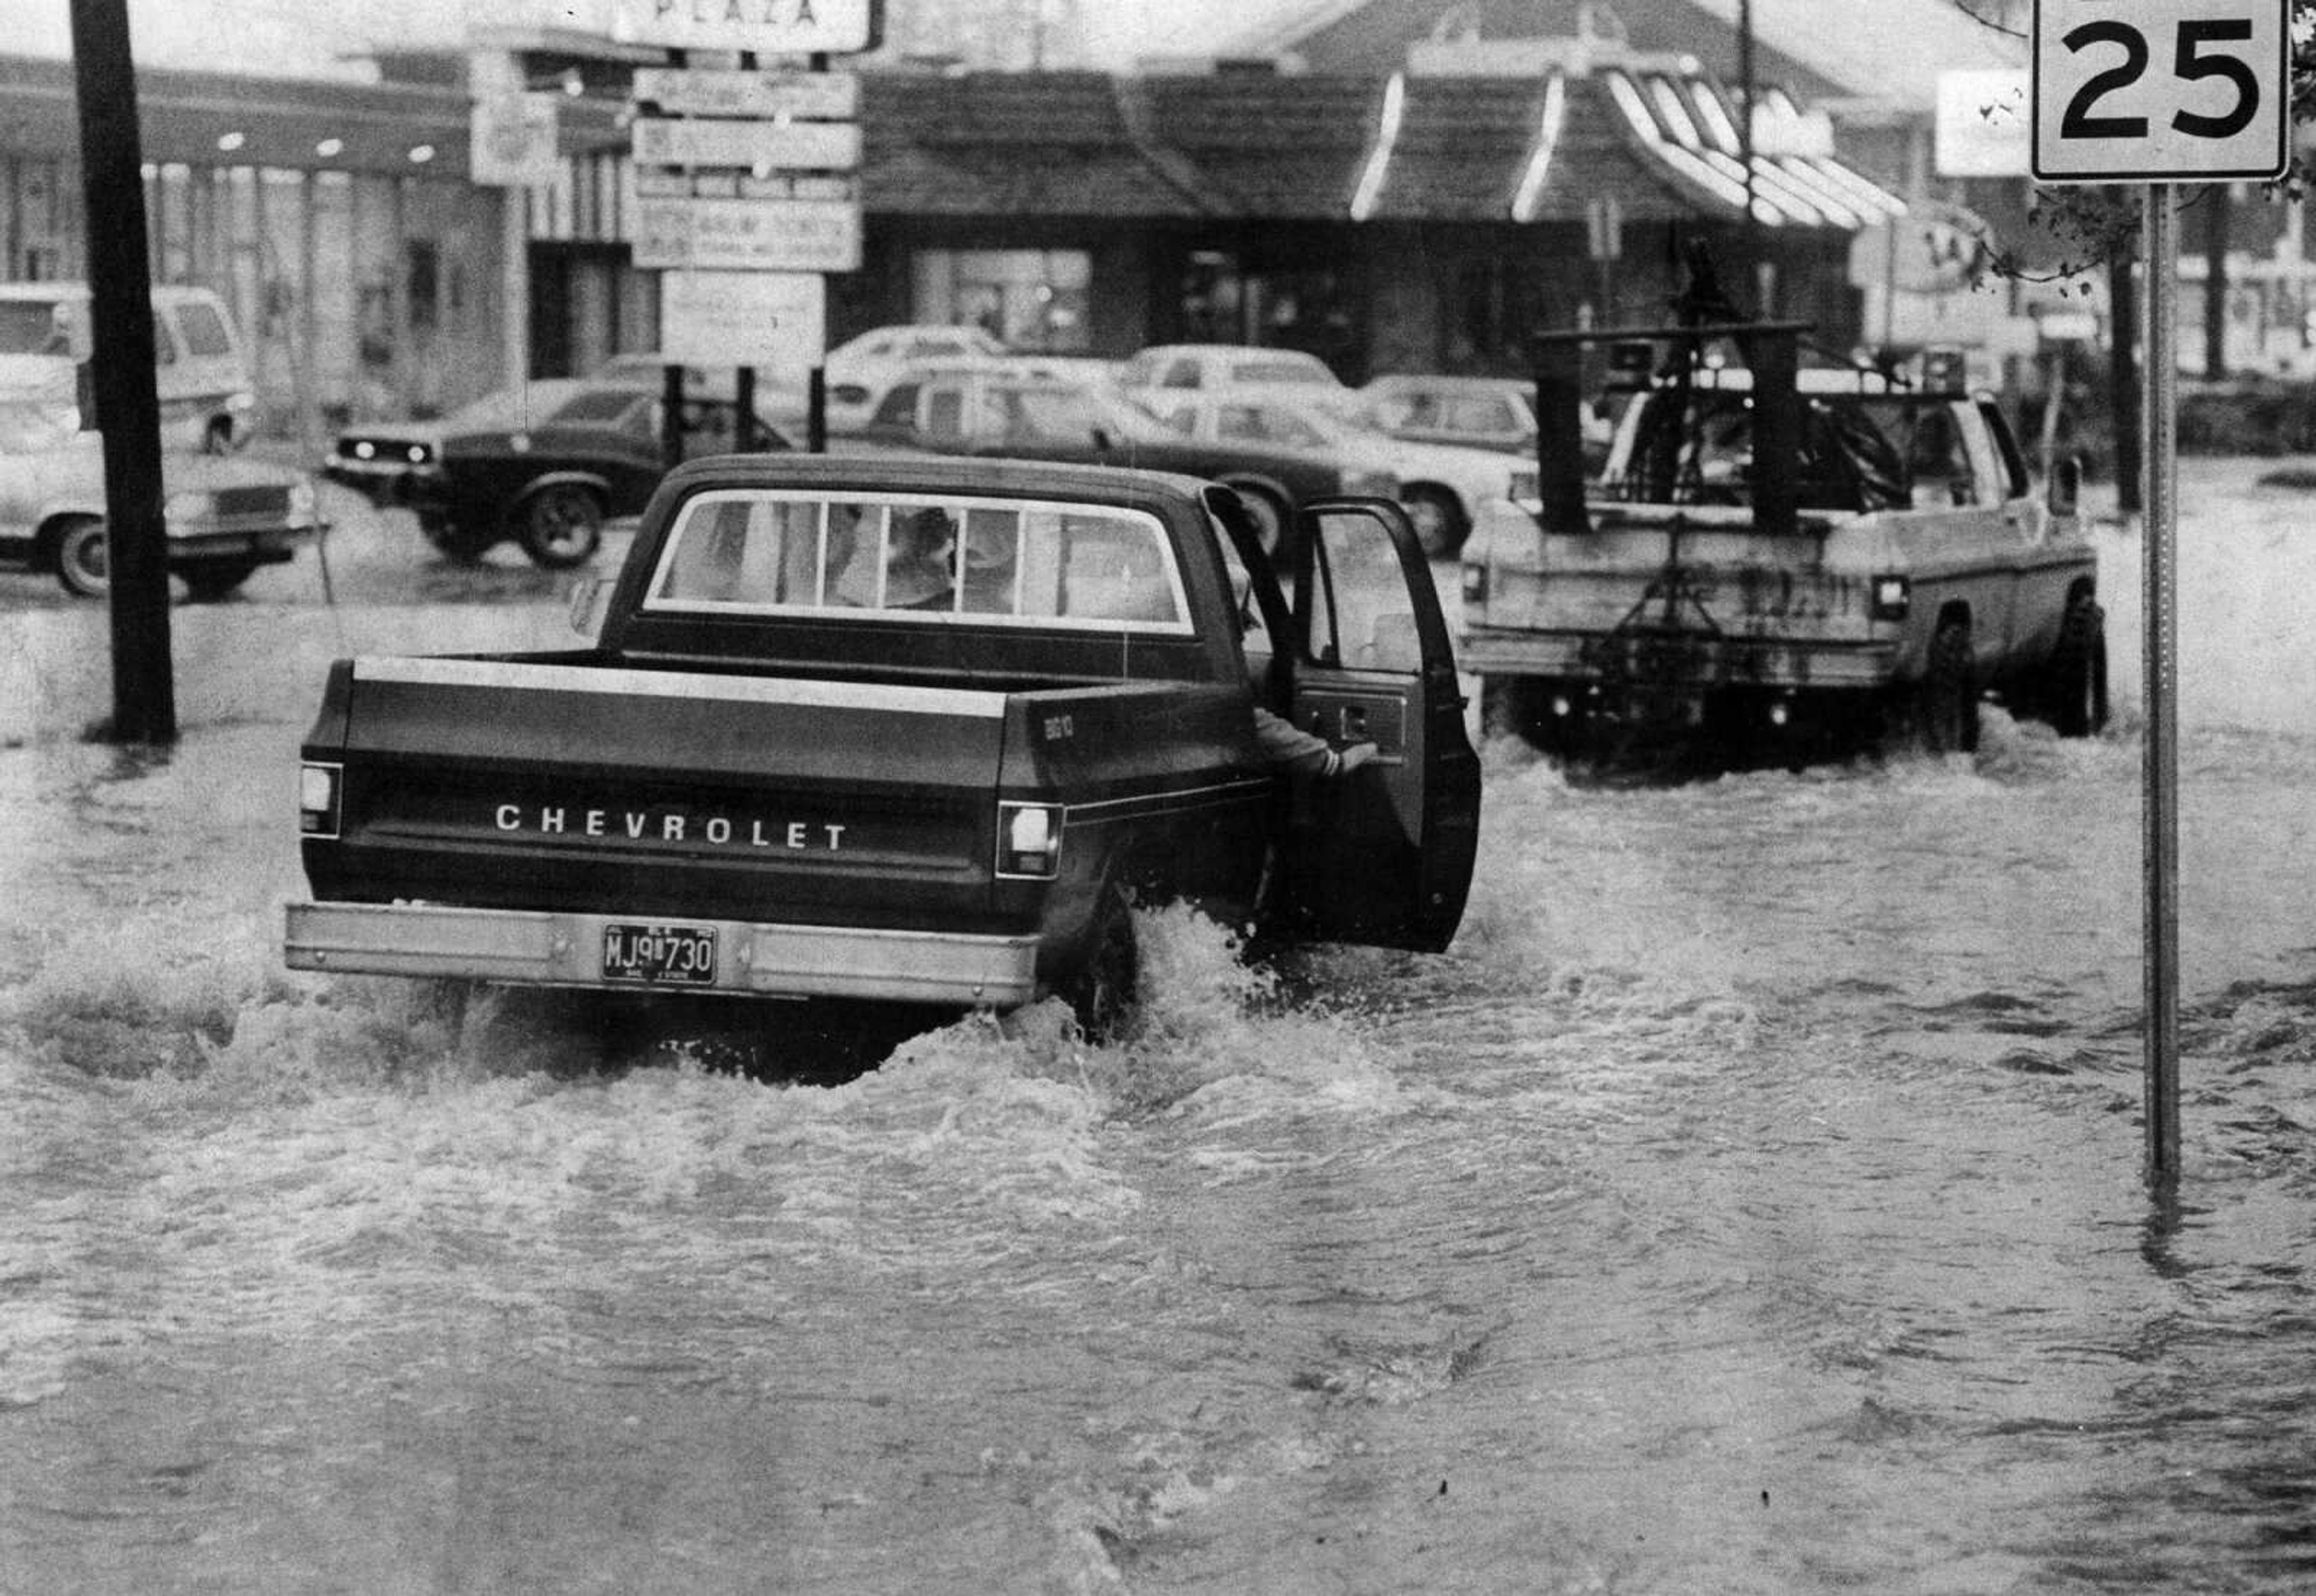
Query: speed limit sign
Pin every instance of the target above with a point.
(2153, 90)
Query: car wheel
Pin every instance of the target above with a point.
(1438, 519)
(1102, 994)
(455, 543)
(1268, 514)
(217, 579)
(2074, 689)
(562, 525)
(84, 558)
(1949, 693)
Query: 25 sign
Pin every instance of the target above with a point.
(2149, 90)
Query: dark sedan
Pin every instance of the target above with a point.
(1032, 417)
(550, 484)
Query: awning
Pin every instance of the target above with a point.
(1689, 128)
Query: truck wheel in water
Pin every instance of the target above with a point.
(562, 525)
(217, 579)
(2075, 688)
(1438, 519)
(1948, 701)
(1102, 994)
(84, 558)
(1521, 707)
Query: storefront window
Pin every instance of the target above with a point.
(1032, 300)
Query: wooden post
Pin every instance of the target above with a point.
(128, 411)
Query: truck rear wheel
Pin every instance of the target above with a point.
(1521, 707)
(1948, 700)
(1102, 994)
(2074, 687)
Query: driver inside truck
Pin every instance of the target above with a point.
(1285, 745)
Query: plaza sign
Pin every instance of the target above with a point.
(767, 27)
(747, 234)
(775, 321)
(822, 146)
(813, 96)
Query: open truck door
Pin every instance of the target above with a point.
(1383, 855)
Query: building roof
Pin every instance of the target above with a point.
(1885, 50)
(228, 119)
(1320, 147)
(1082, 145)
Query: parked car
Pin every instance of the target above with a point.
(378, 459)
(200, 375)
(860, 371)
(223, 517)
(1202, 367)
(1441, 485)
(981, 410)
(550, 485)
(1496, 412)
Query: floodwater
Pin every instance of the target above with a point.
(1750, 1201)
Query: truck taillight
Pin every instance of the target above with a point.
(318, 793)
(1475, 583)
(1893, 597)
(1029, 840)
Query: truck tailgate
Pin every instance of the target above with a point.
(509, 784)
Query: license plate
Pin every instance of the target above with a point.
(678, 955)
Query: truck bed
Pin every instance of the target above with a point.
(564, 782)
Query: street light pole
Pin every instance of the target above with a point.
(128, 411)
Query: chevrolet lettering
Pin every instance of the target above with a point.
(642, 825)
(925, 730)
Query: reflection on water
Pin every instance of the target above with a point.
(1750, 1201)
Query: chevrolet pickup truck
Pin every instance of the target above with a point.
(908, 729)
(1777, 561)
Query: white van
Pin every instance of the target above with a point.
(207, 399)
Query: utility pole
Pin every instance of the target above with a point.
(1757, 270)
(120, 316)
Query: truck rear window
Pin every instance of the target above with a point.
(920, 557)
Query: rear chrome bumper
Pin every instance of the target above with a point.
(1694, 660)
(534, 948)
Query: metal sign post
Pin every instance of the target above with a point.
(2160, 808)
(2156, 92)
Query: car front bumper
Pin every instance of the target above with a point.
(386, 483)
(562, 949)
(266, 546)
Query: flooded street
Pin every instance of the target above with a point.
(1750, 1201)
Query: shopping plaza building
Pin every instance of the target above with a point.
(1402, 205)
